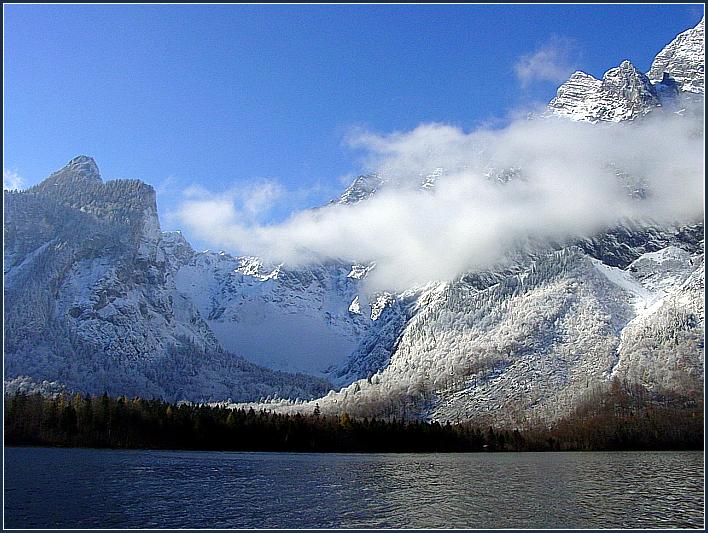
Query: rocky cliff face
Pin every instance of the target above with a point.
(624, 93)
(683, 60)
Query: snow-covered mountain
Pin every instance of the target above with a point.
(98, 298)
(361, 188)
(366, 186)
(309, 319)
(683, 59)
(625, 93)
(91, 301)
(564, 319)
(533, 344)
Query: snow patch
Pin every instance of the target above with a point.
(355, 307)
(642, 299)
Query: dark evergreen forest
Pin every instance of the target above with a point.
(621, 419)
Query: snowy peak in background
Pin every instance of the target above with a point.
(625, 93)
(362, 188)
(683, 59)
(368, 185)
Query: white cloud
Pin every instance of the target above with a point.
(552, 62)
(566, 186)
(202, 210)
(260, 198)
(167, 186)
(11, 180)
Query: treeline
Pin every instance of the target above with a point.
(621, 421)
(152, 424)
(628, 417)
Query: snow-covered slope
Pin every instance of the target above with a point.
(533, 345)
(624, 93)
(662, 348)
(297, 320)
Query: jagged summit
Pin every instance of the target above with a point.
(625, 93)
(684, 60)
(629, 83)
(361, 188)
(83, 167)
(79, 174)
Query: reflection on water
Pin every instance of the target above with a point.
(106, 488)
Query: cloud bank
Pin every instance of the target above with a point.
(550, 62)
(541, 179)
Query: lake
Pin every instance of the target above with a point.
(82, 488)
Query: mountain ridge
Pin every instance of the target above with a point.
(624, 93)
(99, 298)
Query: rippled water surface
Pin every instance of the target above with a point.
(76, 488)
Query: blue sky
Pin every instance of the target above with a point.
(222, 96)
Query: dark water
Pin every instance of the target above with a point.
(74, 488)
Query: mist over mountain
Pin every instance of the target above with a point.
(495, 274)
(441, 201)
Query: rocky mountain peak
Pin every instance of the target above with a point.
(127, 206)
(81, 167)
(628, 83)
(625, 72)
(625, 93)
(80, 175)
(361, 188)
(684, 60)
